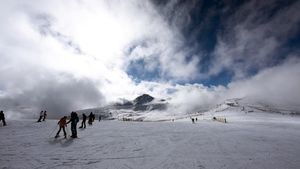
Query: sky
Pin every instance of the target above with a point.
(61, 56)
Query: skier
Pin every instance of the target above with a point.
(94, 117)
(62, 124)
(196, 119)
(83, 125)
(91, 118)
(100, 118)
(193, 120)
(44, 115)
(41, 116)
(2, 118)
(74, 120)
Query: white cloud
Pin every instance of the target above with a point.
(78, 47)
(86, 40)
(252, 38)
(277, 86)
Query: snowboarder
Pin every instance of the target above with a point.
(44, 115)
(74, 120)
(83, 125)
(2, 118)
(91, 118)
(41, 116)
(193, 120)
(62, 124)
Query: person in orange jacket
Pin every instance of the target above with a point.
(62, 124)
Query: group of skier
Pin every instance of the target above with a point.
(43, 115)
(74, 120)
(194, 119)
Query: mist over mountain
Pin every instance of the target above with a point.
(198, 53)
(147, 108)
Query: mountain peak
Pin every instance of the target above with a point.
(145, 98)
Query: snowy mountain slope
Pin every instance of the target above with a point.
(138, 109)
(236, 110)
(253, 105)
(152, 145)
(148, 108)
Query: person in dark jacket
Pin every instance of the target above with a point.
(41, 116)
(91, 118)
(74, 120)
(62, 124)
(2, 118)
(44, 115)
(83, 125)
(94, 117)
(193, 120)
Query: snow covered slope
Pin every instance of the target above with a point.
(148, 108)
(138, 109)
(248, 144)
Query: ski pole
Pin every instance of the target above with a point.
(53, 130)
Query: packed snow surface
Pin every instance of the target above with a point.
(250, 141)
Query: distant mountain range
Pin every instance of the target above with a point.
(147, 107)
(140, 105)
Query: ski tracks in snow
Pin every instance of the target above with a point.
(132, 145)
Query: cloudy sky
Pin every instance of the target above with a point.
(74, 54)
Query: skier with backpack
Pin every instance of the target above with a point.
(74, 120)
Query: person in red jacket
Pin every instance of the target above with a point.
(62, 124)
